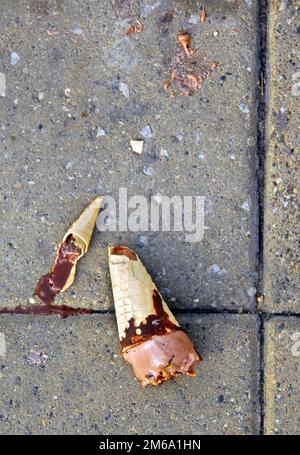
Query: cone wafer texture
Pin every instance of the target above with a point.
(82, 229)
(150, 336)
(74, 245)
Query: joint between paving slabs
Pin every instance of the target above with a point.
(70, 311)
(261, 374)
(262, 27)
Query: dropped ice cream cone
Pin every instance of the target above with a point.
(151, 339)
(73, 246)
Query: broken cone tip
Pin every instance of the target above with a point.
(97, 202)
(122, 251)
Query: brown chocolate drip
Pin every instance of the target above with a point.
(51, 284)
(123, 251)
(46, 310)
(156, 324)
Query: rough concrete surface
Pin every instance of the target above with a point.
(75, 89)
(281, 246)
(282, 375)
(65, 376)
(55, 155)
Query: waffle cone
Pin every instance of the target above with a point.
(133, 290)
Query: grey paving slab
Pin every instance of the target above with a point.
(52, 162)
(281, 249)
(282, 375)
(64, 376)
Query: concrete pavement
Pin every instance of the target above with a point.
(75, 88)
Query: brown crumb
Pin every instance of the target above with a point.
(184, 39)
(139, 28)
(43, 422)
(50, 32)
(260, 298)
(189, 71)
(202, 15)
(191, 82)
(167, 85)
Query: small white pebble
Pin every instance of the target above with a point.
(215, 268)
(197, 136)
(164, 152)
(124, 89)
(148, 170)
(283, 5)
(67, 92)
(244, 108)
(201, 156)
(251, 141)
(146, 132)
(76, 30)
(2, 84)
(14, 58)
(31, 300)
(282, 110)
(31, 182)
(249, 69)
(100, 132)
(94, 99)
(40, 96)
(137, 146)
(251, 292)
(246, 206)
(232, 156)
(216, 33)
(144, 240)
(194, 19)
